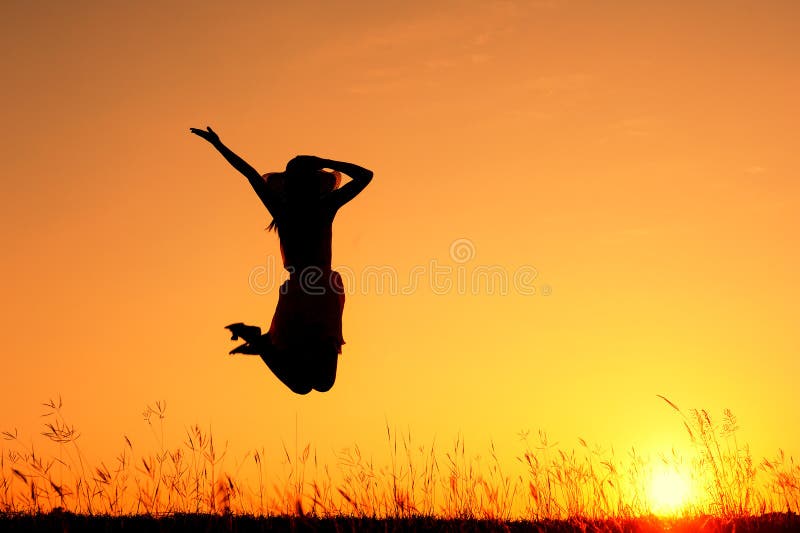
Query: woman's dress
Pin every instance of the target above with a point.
(311, 302)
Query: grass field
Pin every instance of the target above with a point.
(62, 522)
(718, 487)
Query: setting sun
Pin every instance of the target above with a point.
(669, 491)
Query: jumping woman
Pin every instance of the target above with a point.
(305, 339)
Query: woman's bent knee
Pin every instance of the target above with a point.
(326, 373)
(325, 384)
(300, 388)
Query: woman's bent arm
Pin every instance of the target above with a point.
(360, 179)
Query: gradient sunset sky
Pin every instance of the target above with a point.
(642, 157)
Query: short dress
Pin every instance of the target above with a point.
(309, 312)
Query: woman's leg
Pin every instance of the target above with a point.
(303, 370)
(287, 366)
(326, 359)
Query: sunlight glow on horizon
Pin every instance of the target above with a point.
(669, 490)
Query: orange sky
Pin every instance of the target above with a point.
(641, 157)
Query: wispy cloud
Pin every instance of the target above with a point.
(557, 83)
(639, 126)
(428, 43)
(755, 170)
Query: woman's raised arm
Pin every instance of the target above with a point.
(252, 175)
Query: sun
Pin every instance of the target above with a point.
(669, 491)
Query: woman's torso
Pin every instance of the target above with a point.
(305, 234)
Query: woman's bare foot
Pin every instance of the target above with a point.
(248, 333)
(246, 349)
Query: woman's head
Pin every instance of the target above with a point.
(306, 185)
(305, 178)
(300, 185)
(289, 185)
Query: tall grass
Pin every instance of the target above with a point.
(416, 479)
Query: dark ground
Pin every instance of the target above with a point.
(67, 522)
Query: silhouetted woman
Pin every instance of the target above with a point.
(305, 339)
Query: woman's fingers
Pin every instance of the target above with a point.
(207, 134)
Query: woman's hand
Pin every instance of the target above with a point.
(305, 163)
(208, 134)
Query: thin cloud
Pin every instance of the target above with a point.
(480, 58)
(636, 126)
(755, 170)
(557, 83)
